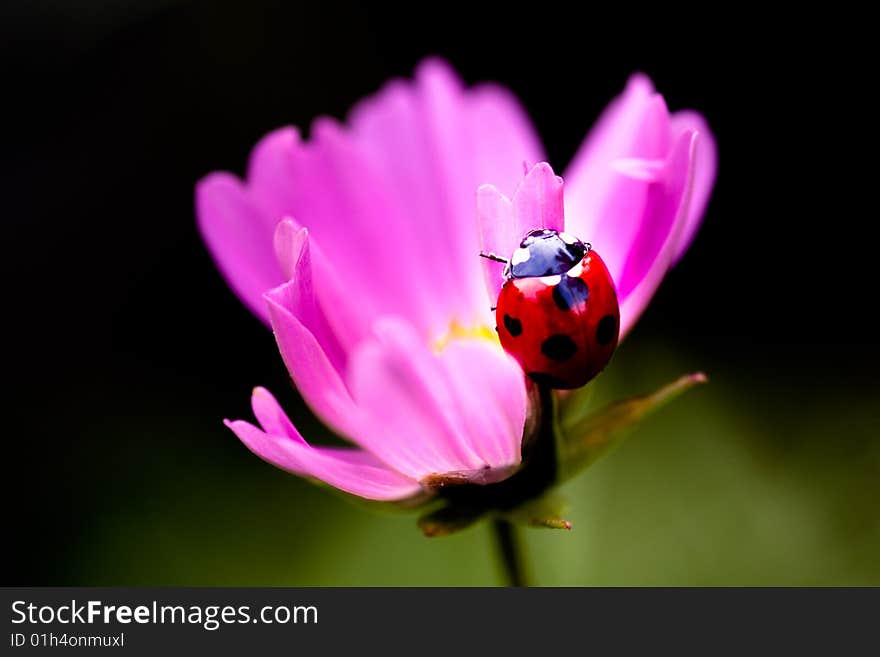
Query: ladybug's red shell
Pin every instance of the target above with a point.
(563, 328)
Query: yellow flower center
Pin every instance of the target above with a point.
(458, 331)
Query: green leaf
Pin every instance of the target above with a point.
(545, 511)
(585, 439)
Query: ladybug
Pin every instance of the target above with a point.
(557, 312)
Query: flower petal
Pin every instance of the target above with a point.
(235, 230)
(498, 235)
(377, 196)
(271, 416)
(491, 397)
(353, 217)
(537, 202)
(662, 222)
(316, 374)
(628, 187)
(605, 194)
(351, 470)
(298, 296)
(289, 242)
(705, 171)
(435, 143)
(321, 302)
(503, 137)
(270, 168)
(424, 413)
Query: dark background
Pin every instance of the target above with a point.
(124, 348)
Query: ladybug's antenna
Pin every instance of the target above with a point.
(492, 257)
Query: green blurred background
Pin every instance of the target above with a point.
(753, 479)
(126, 349)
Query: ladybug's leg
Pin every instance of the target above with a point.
(492, 257)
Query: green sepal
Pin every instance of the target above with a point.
(583, 439)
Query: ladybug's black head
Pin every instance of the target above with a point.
(545, 252)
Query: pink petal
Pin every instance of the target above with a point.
(537, 202)
(498, 235)
(256, 253)
(350, 470)
(298, 296)
(461, 410)
(435, 143)
(606, 191)
(393, 194)
(612, 131)
(662, 223)
(492, 398)
(290, 245)
(705, 171)
(353, 216)
(323, 302)
(315, 372)
(271, 416)
(271, 167)
(503, 137)
(235, 230)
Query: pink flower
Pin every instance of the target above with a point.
(360, 247)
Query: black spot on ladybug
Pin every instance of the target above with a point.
(547, 380)
(607, 330)
(558, 347)
(513, 325)
(569, 292)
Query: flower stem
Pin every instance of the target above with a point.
(511, 553)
